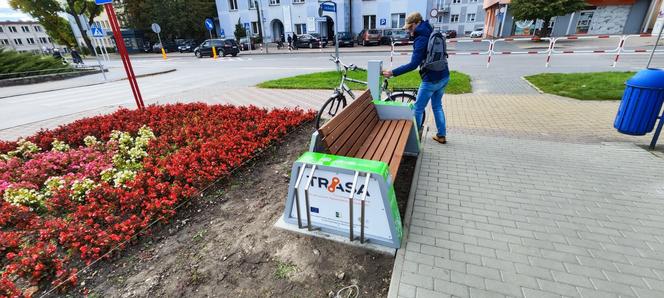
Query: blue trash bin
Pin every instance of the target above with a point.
(641, 103)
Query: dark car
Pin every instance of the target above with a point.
(450, 33)
(346, 39)
(310, 41)
(398, 36)
(368, 37)
(186, 45)
(169, 47)
(246, 44)
(224, 47)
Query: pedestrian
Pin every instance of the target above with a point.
(76, 57)
(290, 42)
(295, 41)
(435, 76)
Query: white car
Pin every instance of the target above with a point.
(477, 33)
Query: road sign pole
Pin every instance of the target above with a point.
(163, 52)
(122, 49)
(101, 67)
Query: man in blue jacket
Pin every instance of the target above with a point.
(433, 82)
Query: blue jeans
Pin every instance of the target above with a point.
(433, 91)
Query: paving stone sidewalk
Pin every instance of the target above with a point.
(507, 217)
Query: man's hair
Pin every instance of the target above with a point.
(413, 18)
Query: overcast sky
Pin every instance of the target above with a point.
(9, 14)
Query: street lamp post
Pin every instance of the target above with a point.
(324, 7)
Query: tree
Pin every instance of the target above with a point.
(46, 13)
(240, 31)
(544, 10)
(177, 18)
(87, 8)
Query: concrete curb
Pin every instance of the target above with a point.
(533, 85)
(88, 85)
(395, 280)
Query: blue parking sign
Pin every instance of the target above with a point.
(102, 2)
(383, 22)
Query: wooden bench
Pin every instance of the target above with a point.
(359, 131)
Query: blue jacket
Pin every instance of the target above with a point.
(422, 33)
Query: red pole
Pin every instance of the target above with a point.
(122, 49)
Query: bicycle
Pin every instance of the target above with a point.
(338, 101)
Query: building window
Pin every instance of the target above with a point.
(370, 22)
(25, 28)
(470, 17)
(275, 2)
(232, 4)
(1, 30)
(454, 18)
(4, 41)
(38, 29)
(398, 20)
(30, 40)
(473, 1)
(252, 4)
(12, 29)
(50, 40)
(456, 1)
(300, 28)
(298, 1)
(18, 41)
(254, 27)
(43, 40)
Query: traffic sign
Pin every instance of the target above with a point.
(223, 33)
(96, 31)
(209, 24)
(326, 6)
(156, 28)
(433, 13)
(102, 2)
(383, 22)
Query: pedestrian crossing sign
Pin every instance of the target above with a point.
(96, 31)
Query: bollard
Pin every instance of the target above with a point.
(163, 53)
(214, 52)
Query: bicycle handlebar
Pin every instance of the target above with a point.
(351, 66)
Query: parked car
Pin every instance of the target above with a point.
(478, 33)
(169, 47)
(224, 47)
(368, 37)
(310, 41)
(346, 39)
(450, 33)
(246, 44)
(398, 36)
(187, 45)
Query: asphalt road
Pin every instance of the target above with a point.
(205, 79)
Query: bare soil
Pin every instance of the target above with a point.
(223, 244)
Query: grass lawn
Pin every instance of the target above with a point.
(584, 86)
(459, 83)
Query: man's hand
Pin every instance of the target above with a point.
(387, 74)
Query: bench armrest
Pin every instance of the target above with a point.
(391, 110)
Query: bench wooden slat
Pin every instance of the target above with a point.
(350, 133)
(400, 148)
(363, 133)
(345, 115)
(391, 146)
(372, 146)
(382, 146)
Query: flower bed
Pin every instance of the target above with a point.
(71, 194)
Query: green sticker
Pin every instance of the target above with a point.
(343, 162)
(395, 212)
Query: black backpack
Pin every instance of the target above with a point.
(436, 59)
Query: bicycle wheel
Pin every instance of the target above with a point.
(406, 98)
(330, 108)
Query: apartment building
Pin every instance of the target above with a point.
(599, 17)
(463, 16)
(25, 36)
(281, 17)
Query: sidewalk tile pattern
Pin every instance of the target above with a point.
(505, 217)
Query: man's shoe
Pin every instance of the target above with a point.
(438, 139)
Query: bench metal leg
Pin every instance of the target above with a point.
(306, 198)
(297, 196)
(350, 206)
(364, 197)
